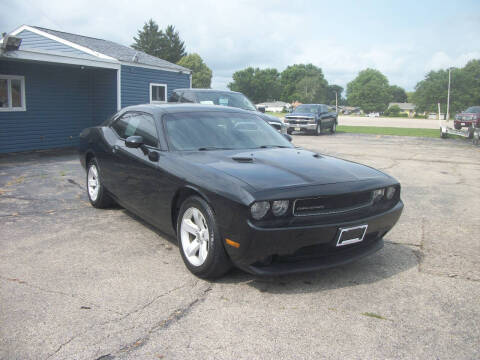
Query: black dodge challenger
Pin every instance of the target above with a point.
(235, 191)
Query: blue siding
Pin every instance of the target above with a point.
(61, 101)
(136, 83)
(31, 40)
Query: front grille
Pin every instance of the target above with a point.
(299, 121)
(332, 204)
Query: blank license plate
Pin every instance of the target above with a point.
(351, 235)
(297, 129)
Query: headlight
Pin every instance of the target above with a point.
(390, 192)
(378, 194)
(279, 207)
(259, 209)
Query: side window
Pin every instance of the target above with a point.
(120, 125)
(188, 97)
(175, 97)
(137, 124)
(147, 129)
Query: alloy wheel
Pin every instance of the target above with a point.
(195, 236)
(93, 182)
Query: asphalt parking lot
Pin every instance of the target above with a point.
(82, 283)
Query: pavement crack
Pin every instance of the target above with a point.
(164, 324)
(116, 320)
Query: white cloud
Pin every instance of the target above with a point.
(233, 35)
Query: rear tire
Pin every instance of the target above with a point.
(97, 195)
(199, 240)
(333, 129)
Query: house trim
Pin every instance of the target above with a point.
(62, 41)
(55, 57)
(153, 67)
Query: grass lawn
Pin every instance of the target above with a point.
(277, 114)
(389, 131)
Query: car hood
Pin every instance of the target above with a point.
(265, 169)
(269, 118)
(301, 114)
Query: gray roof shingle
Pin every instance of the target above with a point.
(114, 50)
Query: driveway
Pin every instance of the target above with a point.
(389, 122)
(82, 283)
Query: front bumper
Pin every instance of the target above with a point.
(308, 248)
(301, 126)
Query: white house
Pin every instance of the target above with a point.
(275, 106)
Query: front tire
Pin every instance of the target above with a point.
(199, 240)
(95, 190)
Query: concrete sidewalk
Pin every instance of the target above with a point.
(388, 122)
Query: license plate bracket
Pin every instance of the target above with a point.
(351, 235)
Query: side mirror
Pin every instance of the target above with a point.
(288, 137)
(261, 109)
(134, 142)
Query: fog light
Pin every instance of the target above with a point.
(259, 209)
(378, 194)
(279, 207)
(390, 192)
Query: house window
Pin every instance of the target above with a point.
(158, 93)
(12, 93)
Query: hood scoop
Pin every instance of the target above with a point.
(243, 159)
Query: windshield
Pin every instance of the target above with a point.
(232, 99)
(305, 109)
(220, 130)
(473, 109)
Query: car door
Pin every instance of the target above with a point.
(136, 169)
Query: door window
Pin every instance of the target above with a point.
(137, 124)
(187, 97)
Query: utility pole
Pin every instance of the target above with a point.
(448, 95)
(336, 102)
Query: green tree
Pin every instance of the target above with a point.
(165, 45)
(293, 75)
(331, 90)
(311, 90)
(464, 89)
(398, 94)
(393, 110)
(201, 73)
(258, 85)
(369, 90)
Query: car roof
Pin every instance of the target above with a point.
(160, 109)
(207, 90)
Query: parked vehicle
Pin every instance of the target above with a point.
(235, 191)
(225, 98)
(469, 118)
(373, 114)
(311, 118)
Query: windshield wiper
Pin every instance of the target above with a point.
(207, 148)
(272, 146)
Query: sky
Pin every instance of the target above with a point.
(403, 39)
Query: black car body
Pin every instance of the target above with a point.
(314, 118)
(225, 98)
(335, 210)
(468, 118)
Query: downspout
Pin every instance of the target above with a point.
(119, 87)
